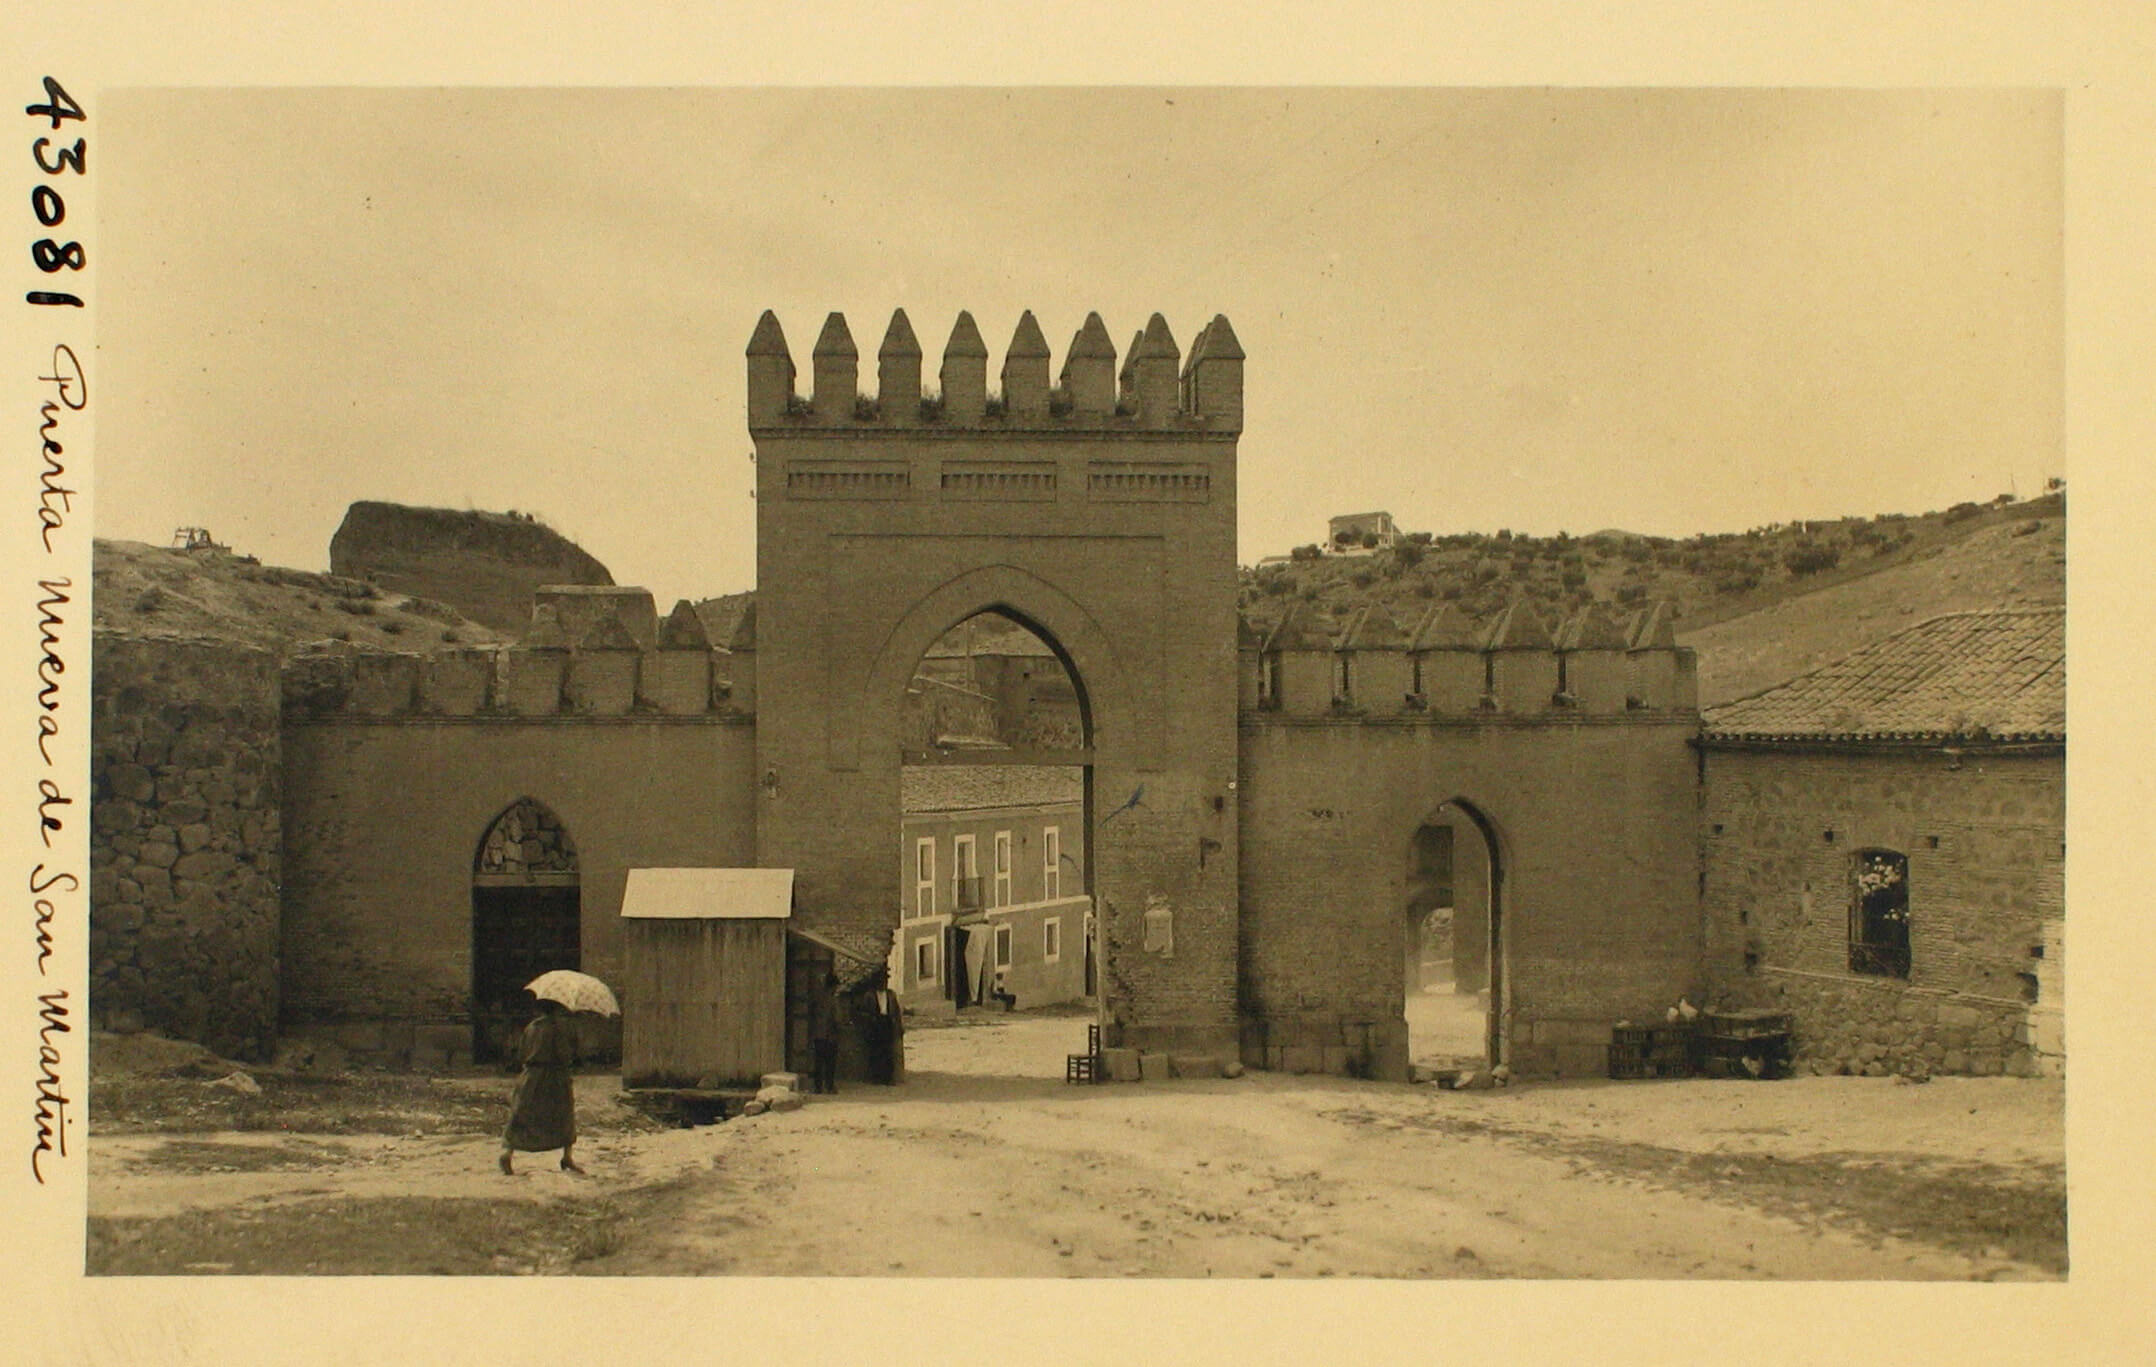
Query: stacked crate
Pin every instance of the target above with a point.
(1643, 1051)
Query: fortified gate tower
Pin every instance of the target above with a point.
(1100, 513)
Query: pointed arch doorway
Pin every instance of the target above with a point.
(527, 918)
(996, 829)
(1452, 938)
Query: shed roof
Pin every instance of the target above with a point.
(1997, 675)
(708, 894)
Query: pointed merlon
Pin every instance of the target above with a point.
(1025, 370)
(835, 340)
(1089, 368)
(1026, 341)
(966, 338)
(898, 338)
(1157, 342)
(1446, 628)
(1593, 630)
(1373, 628)
(965, 372)
(1212, 380)
(769, 339)
(744, 637)
(1127, 377)
(683, 629)
(1295, 632)
(771, 372)
(898, 373)
(1152, 367)
(837, 377)
(1220, 342)
(1518, 628)
(1092, 341)
(1656, 629)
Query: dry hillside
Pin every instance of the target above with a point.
(214, 593)
(2011, 564)
(1760, 606)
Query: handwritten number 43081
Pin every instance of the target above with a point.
(50, 255)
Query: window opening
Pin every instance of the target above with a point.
(1879, 914)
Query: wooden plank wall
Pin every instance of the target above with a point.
(702, 998)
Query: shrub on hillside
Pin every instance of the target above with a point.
(1812, 557)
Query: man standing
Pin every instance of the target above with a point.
(882, 1029)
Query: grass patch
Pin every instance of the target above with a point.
(1967, 1208)
(209, 1155)
(347, 1236)
(340, 1103)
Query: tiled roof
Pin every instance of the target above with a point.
(1978, 675)
(970, 787)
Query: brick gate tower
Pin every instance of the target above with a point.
(1100, 513)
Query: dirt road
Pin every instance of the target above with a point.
(986, 1164)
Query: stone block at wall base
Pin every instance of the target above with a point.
(1123, 1065)
(1153, 1067)
(1301, 1058)
(1180, 1039)
(1194, 1065)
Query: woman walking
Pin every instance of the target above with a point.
(542, 1112)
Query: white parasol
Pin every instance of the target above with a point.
(576, 991)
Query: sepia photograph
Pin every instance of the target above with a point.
(1099, 682)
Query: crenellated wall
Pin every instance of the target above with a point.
(1579, 761)
(1159, 389)
(1308, 666)
(398, 765)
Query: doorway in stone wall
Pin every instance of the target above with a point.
(1451, 948)
(527, 919)
(993, 954)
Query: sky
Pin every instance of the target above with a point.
(1667, 311)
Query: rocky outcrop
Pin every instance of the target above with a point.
(485, 565)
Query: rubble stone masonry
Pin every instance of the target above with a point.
(1983, 831)
(186, 773)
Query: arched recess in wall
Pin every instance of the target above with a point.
(1114, 715)
(1453, 934)
(527, 917)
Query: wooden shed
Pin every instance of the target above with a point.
(704, 976)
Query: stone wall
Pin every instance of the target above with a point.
(1984, 836)
(186, 773)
